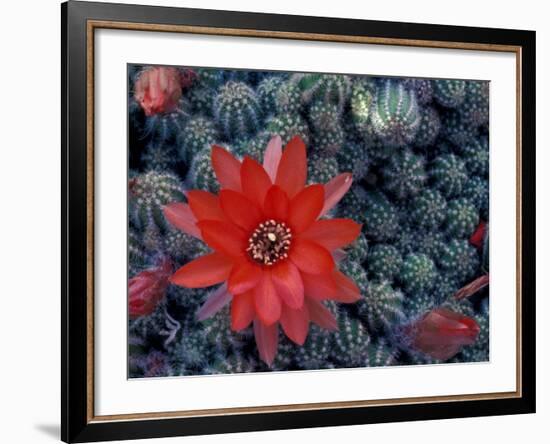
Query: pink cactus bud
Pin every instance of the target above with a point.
(146, 289)
(158, 90)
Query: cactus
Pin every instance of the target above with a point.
(381, 217)
(316, 350)
(417, 305)
(179, 245)
(358, 250)
(428, 209)
(148, 193)
(430, 125)
(422, 88)
(429, 243)
(328, 136)
(254, 147)
(137, 255)
(287, 126)
(485, 251)
(288, 98)
(350, 341)
(356, 272)
(159, 157)
(395, 116)
(417, 273)
(327, 88)
(476, 156)
(353, 158)
(475, 108)
(382, 306)
(321, 169)
(190, 352)
(476, 191)
(199, 132)
(380, 354)
(448, 174)
(446, 285)
(362, 97)
(462, 218)
(405, 238)
(267, 93)
(201, 175)
(352, 206)
(479, 351)
(459, 259)
(384, 262)
(456, 130)
(405, 174)
(237, 110)
(449, 93)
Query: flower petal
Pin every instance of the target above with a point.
(255, 181)
(272, 156)
(276, 204)
(310, 257)
(205, 271)
(242, 310)
(215, 302)
(267, 340)
(321, 315)
(335, 190)
(179, 215)
(295, 323)
(244, 276)
(288, 283)
(205, 205)
(319, 287)
(348, 291)
(227, 169)
(239, 209)
(292, 171)
(332, 233)
(266, 300)
(305, 207)
(339, 255)
(223, 237)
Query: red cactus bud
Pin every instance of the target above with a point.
(158, 90)
(441, 333)
(476, 239)
(146, 289)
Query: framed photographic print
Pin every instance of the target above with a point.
(276, 221)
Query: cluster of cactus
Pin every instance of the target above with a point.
(418, 152)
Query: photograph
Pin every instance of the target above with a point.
(295, 221)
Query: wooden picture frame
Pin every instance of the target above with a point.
(79, 22)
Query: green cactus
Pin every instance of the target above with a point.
(381, 217)
(384, 262)
(380, 354)
(430, 125)
(321, 169)
(137, 255)
(395, 116)
(459, 259)
(358, 250)
(199, 133)
(417, 273)
(449, 93)
(423, 89)
(462, 218)
(148, 193)
(159, 157)
(201, 175)
(405, 174)
(429, 243)
(287, 126)
(237, 109)
(267, 91)
(362, 97)
(428, 209)
(382, 306)
(288, 98)
(356, 272)
(314, 353)
(353, 157)
(254, 147)
(327, 88)
(475, 108)
(448, 174)
(456, 130)
(350, 342)
(476, 191)
(476, 156)
(352, 206)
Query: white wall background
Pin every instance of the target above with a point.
(30, 221)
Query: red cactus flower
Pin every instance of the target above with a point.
(441, 333)
(272, 252)
(146, 289)
(158, 90)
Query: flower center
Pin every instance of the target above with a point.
(269, 242)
